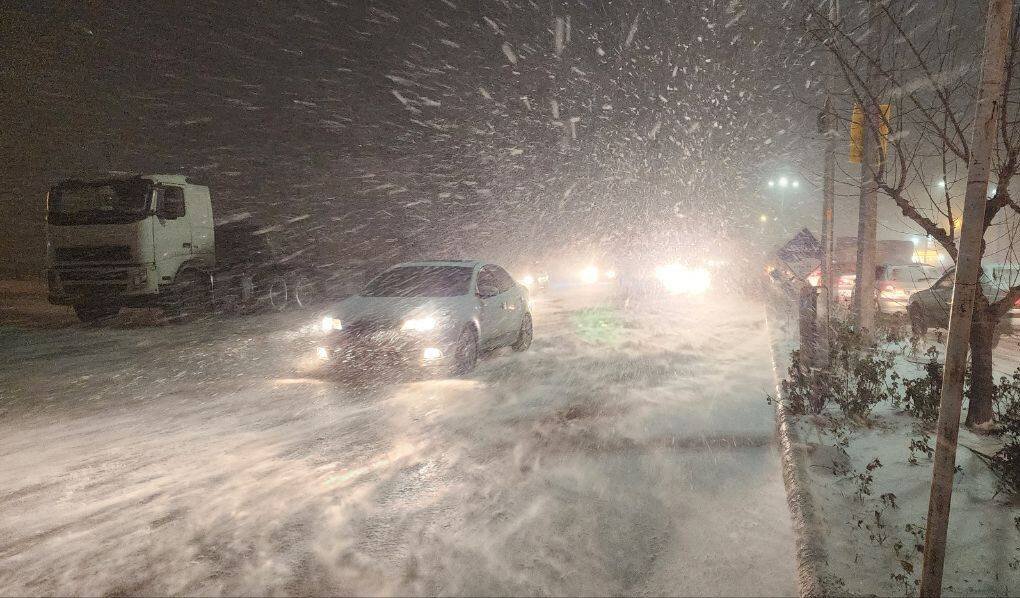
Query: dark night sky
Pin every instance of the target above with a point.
(405, 128)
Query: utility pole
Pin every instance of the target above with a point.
(968, 264)
(829, 123)
(867, 223)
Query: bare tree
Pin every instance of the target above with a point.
(927, 72)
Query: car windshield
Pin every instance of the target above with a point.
(99, 203)
(420, 281)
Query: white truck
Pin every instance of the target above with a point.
(150, 241)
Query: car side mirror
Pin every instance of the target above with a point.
(487, 290)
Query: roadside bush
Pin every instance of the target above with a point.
(1006, 462)
(859, 377)
(921, 395)
(801, 387)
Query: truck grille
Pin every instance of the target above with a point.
(93, 275)
(93, 290)
(102, 253)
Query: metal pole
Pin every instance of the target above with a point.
(968, 265)
(828, 193)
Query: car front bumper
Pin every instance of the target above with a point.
(386, 349)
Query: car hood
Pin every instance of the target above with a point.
(396, 309)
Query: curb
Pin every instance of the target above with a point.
(812, 559)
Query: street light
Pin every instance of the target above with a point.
(783, 181)
(795, 184)
(763, 218)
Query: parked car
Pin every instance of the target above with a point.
(929, 308)
(895, 283)
(431, 314)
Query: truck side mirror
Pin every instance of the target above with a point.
(170, 203)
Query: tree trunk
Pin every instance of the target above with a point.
(982, 384)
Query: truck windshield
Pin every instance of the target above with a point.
(103, 202)
(420, 281)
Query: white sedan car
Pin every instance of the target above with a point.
(428, 314)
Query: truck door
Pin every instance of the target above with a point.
(171, 232)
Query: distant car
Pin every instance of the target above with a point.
(929, 308)
(895, 283)
(667, 279)
(432, 314)
(535, 278)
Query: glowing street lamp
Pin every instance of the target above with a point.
(763, 218)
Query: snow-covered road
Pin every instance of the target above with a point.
(631, 451)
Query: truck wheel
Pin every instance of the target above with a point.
(302, 291)
(95, 314)
(918, 319)
(191, 295)
(277, 293)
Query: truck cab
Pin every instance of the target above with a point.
(140, 241)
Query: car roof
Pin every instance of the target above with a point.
(435, 263)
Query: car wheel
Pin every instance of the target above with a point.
(525, 334)
(918, 319)
(95, 314)
(466, 353)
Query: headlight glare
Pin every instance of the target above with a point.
(677, 279)
(589, 275)
(331, 323)
(419, 324)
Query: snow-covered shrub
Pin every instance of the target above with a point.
(1006, 462)
(801, 388)
(860, 375)
(921, 395)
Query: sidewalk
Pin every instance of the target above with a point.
(864, 502)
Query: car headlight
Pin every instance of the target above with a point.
(590, 275)
(419, 324)
(676, 279)
(528, 280)
(330, 323)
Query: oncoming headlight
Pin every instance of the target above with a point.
(419, 324)
(677, 279)
(330, 323)
(528, 280)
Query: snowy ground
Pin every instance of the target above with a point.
(866, 538)
(629, 452)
